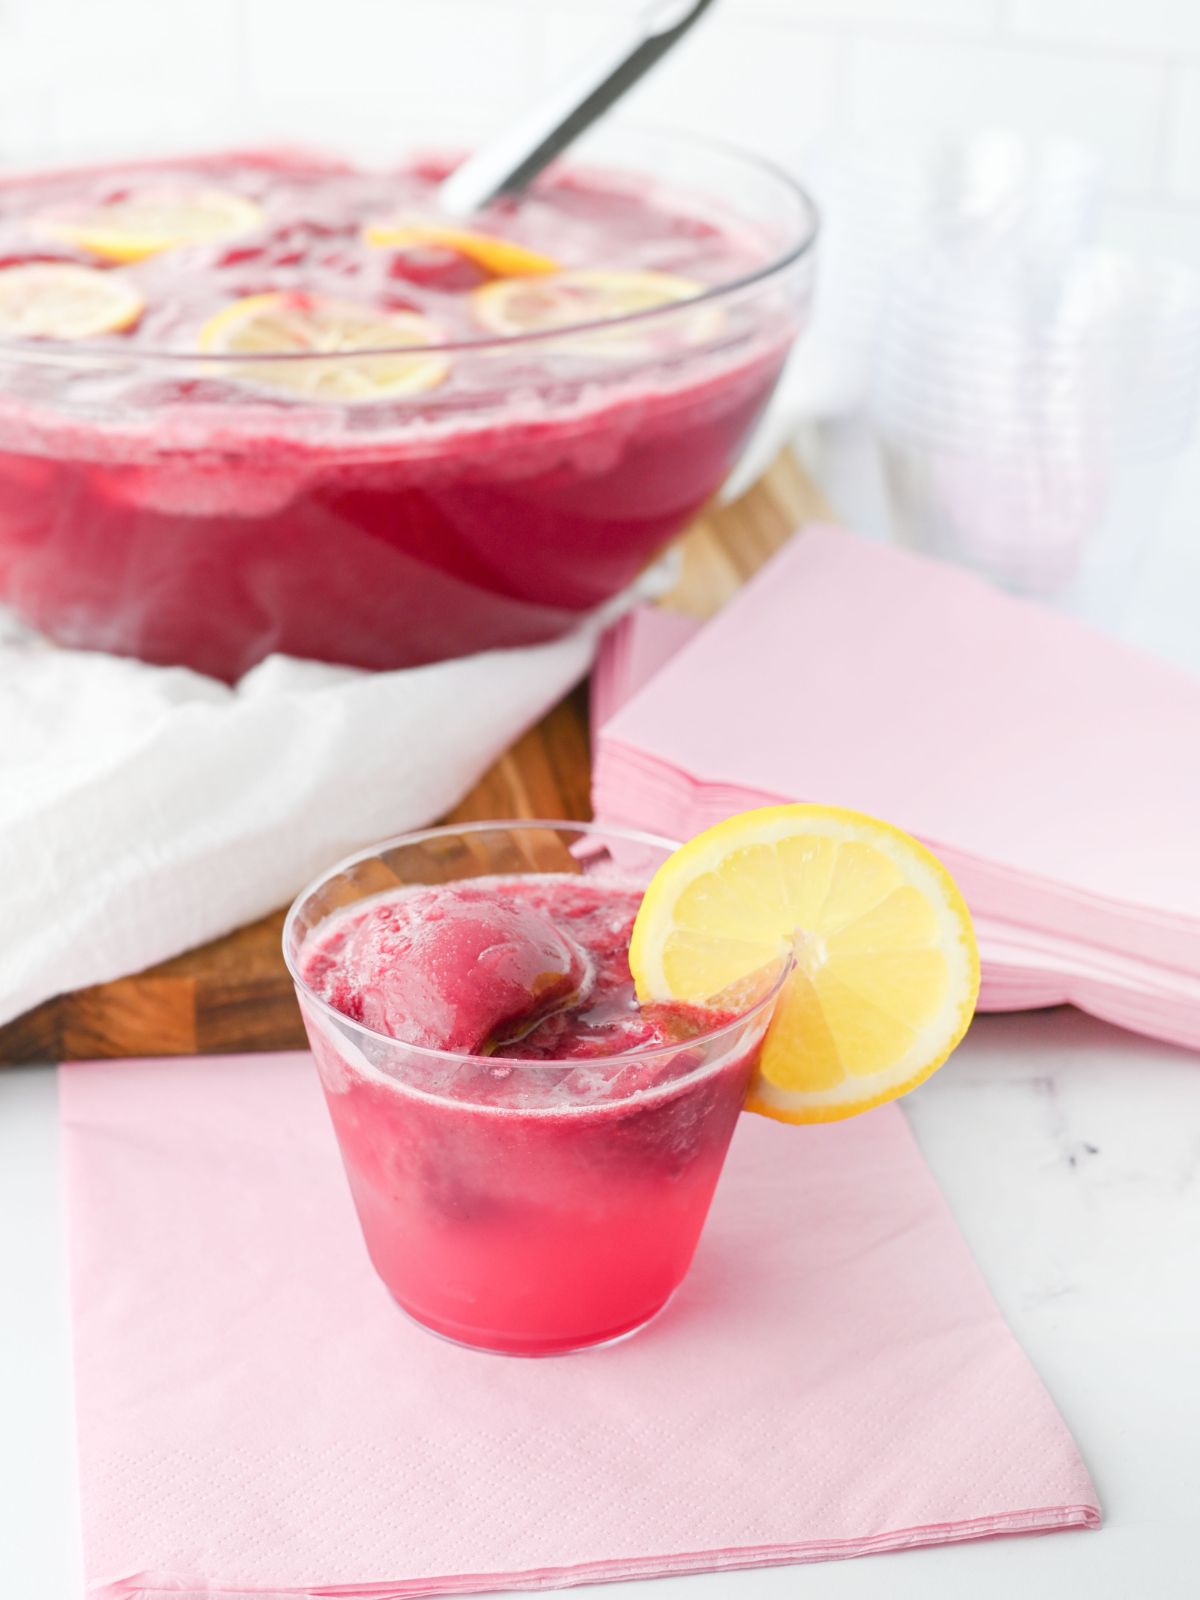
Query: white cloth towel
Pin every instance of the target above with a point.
(144, 810)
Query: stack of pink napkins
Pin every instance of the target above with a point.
(1055, 771)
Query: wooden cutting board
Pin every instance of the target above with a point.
(235, 995)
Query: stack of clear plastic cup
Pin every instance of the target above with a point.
(872, 201)
(880, 199)
(1028, 389)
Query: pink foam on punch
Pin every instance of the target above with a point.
(255, 1416)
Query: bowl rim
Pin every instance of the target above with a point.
(710, 1036)
(802, 241)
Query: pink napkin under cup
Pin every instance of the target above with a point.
(256, 1417)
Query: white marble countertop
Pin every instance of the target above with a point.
(1070, 1154)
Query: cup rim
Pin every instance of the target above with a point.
(710, 1036)
(801, 242)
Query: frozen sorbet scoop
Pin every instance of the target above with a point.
(456, 972)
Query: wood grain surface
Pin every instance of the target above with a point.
(235, 995)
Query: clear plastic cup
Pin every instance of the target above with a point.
(1029, 409)
(525, 1207)
(881, 198)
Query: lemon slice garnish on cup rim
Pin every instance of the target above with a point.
(375, 364)
(504, 258)
(58, 300)
(144, 225)
(886, 969)
(512, 306)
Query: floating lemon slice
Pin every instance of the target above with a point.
(501, 257)
(143, 225)
(886, 969)
(512, 306)
(302, 324)
(56, 300)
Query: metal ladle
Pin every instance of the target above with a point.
(505, 165)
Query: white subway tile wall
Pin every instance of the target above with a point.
(1159, 27)
(799, 83)
(1183, 135)
(87, 76)
(922, 87)
(371, 68)
(123, 73)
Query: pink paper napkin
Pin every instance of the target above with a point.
(1024, 967)
(1047, 764)
(637, 645)
(256, 1416)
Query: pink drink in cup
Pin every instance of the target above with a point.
(163, 501)
(531, 1153)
